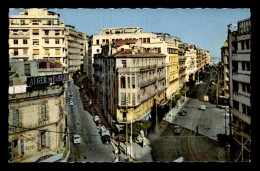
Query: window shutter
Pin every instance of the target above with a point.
(43, 112)
(123, 98)
(22, 146)
(47, 51)
(39, 141)
(36, 31)
(133, 98)
(15, 117)
(43, 139)
(10, 150)
(48, 139)
(36, 52)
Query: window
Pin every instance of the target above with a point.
(43, 139)
(122, 82)
(243, 87)
(27, 69)
(25, 51)
(57, 32)
(35, 32)
(46, 41)
(97, 42)
(15, 118)
(57, 51)
(247, 44)
(47, 51)
(43, 112)
(36, 52)
(57, 41)
(148, 40)
(144, 40)
(123, 98)
(15, 41)
(133, 98)
(22, 146)
(124, 63)
(15, 52)
(133, 82)
(97, 50)
(35, 41)
(128, 82)
(159, 50)
(242, 45)
(103, 40)
(25, 41)
(15, 148)
(46, 32)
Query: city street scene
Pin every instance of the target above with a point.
(129, 85)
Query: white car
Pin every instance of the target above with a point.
(96, 118)
(76, 139)
(71, 103)
(203, 107)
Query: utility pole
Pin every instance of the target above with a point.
(156, 127)
(131, 140)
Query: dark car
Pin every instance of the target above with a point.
(181, 113)
(184, 111)
(106, 139)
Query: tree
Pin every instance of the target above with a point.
(137, 127)
(177, 96)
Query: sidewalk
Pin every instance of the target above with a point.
(171, 114)
(140, 154)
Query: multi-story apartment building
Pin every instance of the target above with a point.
(183, 66)
(190, 55)
(37, 124)
(239, 52)
(75, 48)
(151, 42)
(223, 76)
(129, 81)
(37, 34)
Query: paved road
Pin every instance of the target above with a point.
(81, 122)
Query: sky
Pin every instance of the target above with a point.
(205, 28)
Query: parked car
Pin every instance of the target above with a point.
(105, 135)
(184, 111)
(76, 139)
(96, 118)
(106, 139)
(181, 113)
(203, 107)
(176, 129)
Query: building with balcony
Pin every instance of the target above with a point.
(151, 42)
(239, 53)
(129, 81)
(37, 34)
(37, 121)
(223, 76)
(75, 47)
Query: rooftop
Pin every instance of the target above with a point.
(130, 53)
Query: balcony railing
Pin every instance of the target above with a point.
(240, 115)
(241, 77)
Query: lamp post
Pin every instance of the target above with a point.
(156, 119)
(131, 140)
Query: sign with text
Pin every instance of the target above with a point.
(41, 80)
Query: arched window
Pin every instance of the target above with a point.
(122, 82)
